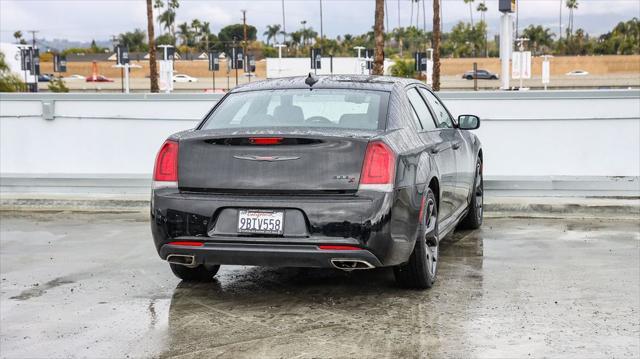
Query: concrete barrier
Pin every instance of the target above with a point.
(555, 142)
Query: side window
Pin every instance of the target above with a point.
(442, 116)
(421, 109)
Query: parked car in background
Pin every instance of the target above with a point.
(184, 78)
(44, 78)
(577, 73)
(362, 172)
(75, 77)
(481, 75)
(98, 78)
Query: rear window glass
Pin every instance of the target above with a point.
(332, 108)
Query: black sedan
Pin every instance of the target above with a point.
(480, 74)
(348, 172)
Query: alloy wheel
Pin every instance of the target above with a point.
(431, 236)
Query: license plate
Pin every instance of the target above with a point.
(260, 221)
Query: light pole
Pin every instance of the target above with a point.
(304, 31)
(280, 46)
(359, 64)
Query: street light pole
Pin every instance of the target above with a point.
(360, 48)
(280, 46)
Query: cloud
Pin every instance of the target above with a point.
(99, 19)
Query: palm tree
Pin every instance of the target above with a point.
(378, 28)
(18, 36)
(539, 38)
(185, 34)
(470, 2)
(296, 39)
(158, 4)
(307, 34)
(205, 31)
(571, 5)
(436, 45)
(168, 17)
(272, 32)
(399, 35)
(153, 69)
(560, 24)
(482, 8)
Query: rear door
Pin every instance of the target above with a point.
(440, 148)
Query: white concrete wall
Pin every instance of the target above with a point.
(290, 66)
(534, 134)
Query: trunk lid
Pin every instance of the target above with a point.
(295, 162)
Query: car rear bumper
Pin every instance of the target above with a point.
(374, 221)
(278, 255)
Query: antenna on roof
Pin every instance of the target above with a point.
(311, 80)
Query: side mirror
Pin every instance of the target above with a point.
(468, 122)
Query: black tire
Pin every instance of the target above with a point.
(200, 273)
(421, 269)
(473, 219)
(494, 77)
(469, 77)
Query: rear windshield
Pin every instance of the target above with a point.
(332, 108)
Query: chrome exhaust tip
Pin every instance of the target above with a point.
(181, 259)
(351, 264)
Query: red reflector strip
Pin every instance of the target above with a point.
(339, 248)
(189, 244)
(265, 140)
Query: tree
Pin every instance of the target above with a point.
(236, 31)
(272, 32)
(56, 84)
(186, 35)
(135, 40)
(571, 5)
(307, 34)
(464, 40)
(153, 66)
(206, 35)
(19, 39)
(470, 2)
(403, 68)
(8, 81)
(378, 29)
(166, 39)
(168, 17)
(482, 9)
(436, 45)
(540, 39)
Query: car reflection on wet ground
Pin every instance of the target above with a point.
(91, 285)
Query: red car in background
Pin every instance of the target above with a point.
(98, 78)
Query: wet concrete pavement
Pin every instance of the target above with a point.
(91, 285)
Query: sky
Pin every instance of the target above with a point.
(84, 20)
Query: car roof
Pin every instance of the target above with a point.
(362, 82)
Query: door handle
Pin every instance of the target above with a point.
(456, 145)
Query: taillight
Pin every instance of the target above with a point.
(165, 171)
(378, 170)
(265, 140)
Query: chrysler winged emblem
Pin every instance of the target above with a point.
(266, 158)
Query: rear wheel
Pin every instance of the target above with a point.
(473, 220)
(200, 273)
(469, 77)
(421, 269)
